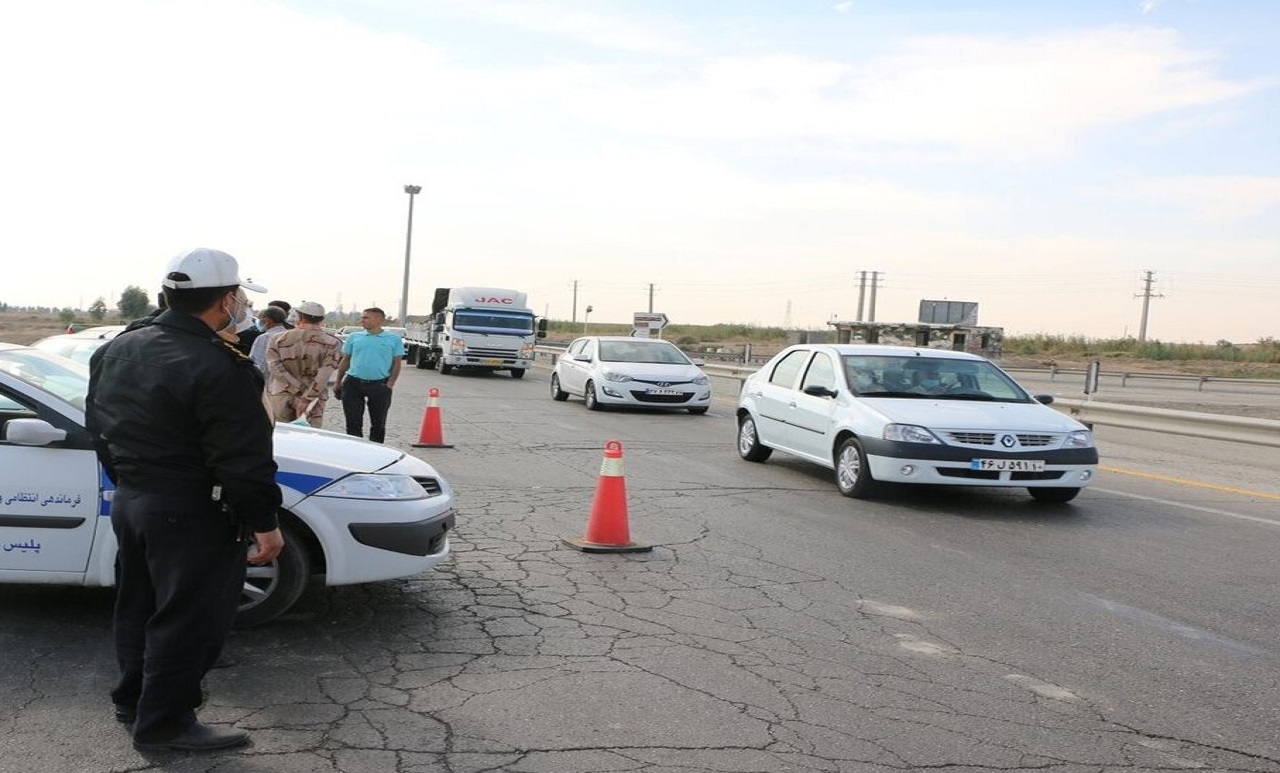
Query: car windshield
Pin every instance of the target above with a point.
(72, 347)
(933, 377)
(54, 375)
(658, 352)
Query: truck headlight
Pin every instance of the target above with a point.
(458, 346)
(909, 433)
(370, 485)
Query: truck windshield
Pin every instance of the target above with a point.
(497, 322)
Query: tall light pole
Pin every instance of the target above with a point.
(412, 190)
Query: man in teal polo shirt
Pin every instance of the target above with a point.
(368, 372)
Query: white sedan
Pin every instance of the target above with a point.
(353, 511)
(634, 372)
(898, 414)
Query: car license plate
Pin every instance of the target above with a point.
(1008, 465)
(665, 392)
(491, 361)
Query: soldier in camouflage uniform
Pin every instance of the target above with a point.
(299, 364)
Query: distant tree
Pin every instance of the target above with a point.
(98, 310)
(67, 316)
(134, 303)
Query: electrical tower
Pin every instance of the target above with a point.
(1146, 295)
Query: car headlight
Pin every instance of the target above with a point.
(374, 486)
(701, 380)
(909, 433)
(1081, 438)
(613, 375)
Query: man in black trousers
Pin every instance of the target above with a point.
(177, 420)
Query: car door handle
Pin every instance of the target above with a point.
(792, 404)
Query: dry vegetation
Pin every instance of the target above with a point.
(22, 327)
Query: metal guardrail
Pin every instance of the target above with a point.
(1206, 426)
(1125, 376)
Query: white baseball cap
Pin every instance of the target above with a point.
(203, 267)
(310, 308)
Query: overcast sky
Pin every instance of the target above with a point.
(744, 160)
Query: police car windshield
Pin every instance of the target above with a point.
(54, 375)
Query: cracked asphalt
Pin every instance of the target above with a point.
(761, 634)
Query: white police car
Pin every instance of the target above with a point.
(353, 511)
(906, 415)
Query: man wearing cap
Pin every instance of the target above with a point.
(176, 417)
(299, 364)
(370, 366)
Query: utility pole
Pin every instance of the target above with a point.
(862, 293)
(574, 318)
(875, 282)
(1146, 295)
(651, 297)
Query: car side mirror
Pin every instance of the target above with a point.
(582, 357)
(1044, 399)
(819, 391)
(32, 432)
(699, 363)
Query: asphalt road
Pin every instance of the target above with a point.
(776, 626)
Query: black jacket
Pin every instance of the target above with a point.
(172, 408)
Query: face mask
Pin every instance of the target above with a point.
(259, 325)
(238, 317)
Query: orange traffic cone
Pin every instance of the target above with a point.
(607, 530)
(71, 328)
(431, 435)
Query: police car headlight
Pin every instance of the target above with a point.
(613, 375)
(373, 486)
(1081, 438)
(909, 433)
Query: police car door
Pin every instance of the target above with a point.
(49, 494)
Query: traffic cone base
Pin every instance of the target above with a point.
(431, 435)
(607, 530)
(595, 547)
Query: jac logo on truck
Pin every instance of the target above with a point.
(507, 301)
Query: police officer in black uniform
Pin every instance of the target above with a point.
(177, 418)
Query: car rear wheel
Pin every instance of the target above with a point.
(589, 397)
(556, 392)
(270, 590)
(749, 446)
(853, 475)
(1054, 494)
(444, 367)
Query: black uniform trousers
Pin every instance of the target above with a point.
(356, 392)
(180, 573)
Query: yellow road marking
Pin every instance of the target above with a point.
(1185, 482)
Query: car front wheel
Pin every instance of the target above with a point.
(589, 397)
(853, 475)
(749, 446)
(556, 392)
(270, 590)
(1053, 495)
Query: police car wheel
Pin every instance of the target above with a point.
(269, 591)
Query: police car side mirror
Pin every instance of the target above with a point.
(32, 432)
(819, 391)
(1044, 399)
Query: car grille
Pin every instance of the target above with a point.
(430, 485)
(1025, 439)
(645, 397)
(963, 472)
